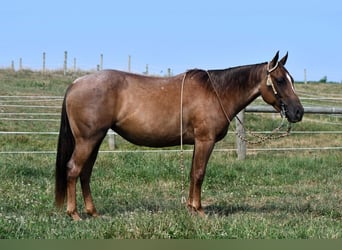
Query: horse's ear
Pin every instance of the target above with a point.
(284, 59)
(274, 61)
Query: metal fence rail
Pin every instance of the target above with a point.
(307, 110)
(19, 111)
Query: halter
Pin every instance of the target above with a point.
(269, 82)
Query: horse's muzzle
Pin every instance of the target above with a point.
(294, 113)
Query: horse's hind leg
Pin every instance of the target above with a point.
(80, 161)
(85, 183)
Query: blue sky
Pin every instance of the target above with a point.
(174, 34)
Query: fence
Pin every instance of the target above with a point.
(35, 109)
(241, 143)
(66, 68)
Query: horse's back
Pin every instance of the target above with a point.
(118, 80)
(144, 110)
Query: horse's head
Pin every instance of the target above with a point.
(278, 90)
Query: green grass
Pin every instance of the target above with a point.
(33, 83)
(291, 195)
(139, 197)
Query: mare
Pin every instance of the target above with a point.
(149, 110)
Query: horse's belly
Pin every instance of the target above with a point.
(152, 133)
(149, 139)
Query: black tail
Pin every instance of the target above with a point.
(65, 149)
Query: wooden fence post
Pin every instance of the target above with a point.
(111, 139)
(101, 62)
(44, 62)
(65, 62)
(240, 144)
(146, 72)
(305, 81)
(129, 63)
(75, 67)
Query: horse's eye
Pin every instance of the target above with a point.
(280, 80)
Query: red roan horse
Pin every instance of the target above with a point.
(147, 111)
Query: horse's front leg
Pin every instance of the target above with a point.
(202, 152)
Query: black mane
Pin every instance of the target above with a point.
(225, 78)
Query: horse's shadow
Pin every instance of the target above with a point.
(153, 206)
(226, 209)
(230, 209)
(210, 210)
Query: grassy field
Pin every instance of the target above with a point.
(285, 194)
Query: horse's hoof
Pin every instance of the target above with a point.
(74, 216)
(95, 215)
(201, 213)
(92, 213)
(196, 211)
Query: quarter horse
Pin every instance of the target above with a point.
(149, 110)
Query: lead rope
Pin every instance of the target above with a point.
(181, 158)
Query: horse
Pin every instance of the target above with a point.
(149, 111)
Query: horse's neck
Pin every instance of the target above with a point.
(241, 91)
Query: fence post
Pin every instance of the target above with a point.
(101, 62)
(146, 72)
(129, 63)
(75, 68)
(44, 62)
(65, 62)
(111, 139)
(240, 144)
(305, 82)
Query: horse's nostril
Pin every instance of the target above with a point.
(299, 114)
